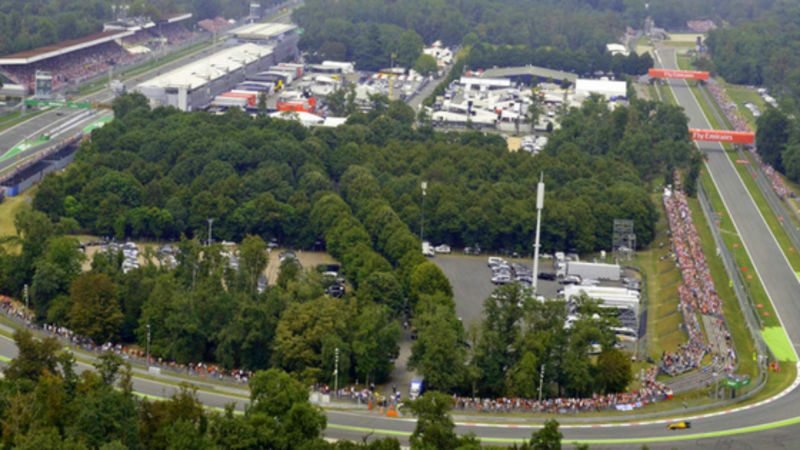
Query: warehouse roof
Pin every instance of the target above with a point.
(211, 68)
(262, 31)
(541, 72)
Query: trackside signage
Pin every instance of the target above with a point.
(678, 74)
(733, 137)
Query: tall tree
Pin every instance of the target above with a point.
(95, 311)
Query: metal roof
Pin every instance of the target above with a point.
(541, 72)
(62, 48)
(262, 31)
(210, 68)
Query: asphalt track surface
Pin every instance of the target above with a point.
(775, 425)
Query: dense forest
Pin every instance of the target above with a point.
(762, 53)
(46, 404)
(26, 25)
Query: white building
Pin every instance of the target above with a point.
(615, 49)
(194, 85)
(611, 90)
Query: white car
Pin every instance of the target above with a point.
(444, 248)
(502, 279)
(495, 261)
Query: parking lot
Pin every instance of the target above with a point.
(471, 280)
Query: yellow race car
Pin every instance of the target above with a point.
(679, 425)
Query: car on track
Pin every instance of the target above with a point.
(682, 425)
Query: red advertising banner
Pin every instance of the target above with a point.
(678, 74)
(734, 137)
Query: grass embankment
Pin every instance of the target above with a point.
(663, 279)
(9, 209)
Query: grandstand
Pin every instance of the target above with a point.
(71, 62)
(75, 61)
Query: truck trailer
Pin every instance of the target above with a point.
(595, 271)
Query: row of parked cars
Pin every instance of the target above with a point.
(504, 272)
(129, 251)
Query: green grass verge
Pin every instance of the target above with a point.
(684, 62)
(9, 117)
(652, 93)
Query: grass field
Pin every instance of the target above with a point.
(742, 94)
(690, 38)
(9, 209)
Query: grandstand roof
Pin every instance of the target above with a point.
(211, 68)
(172, 18)
(62, 48)
(262, 31)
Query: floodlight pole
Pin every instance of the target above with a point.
(537, 244)
(148, 345)
(210, 222)
(422, 222)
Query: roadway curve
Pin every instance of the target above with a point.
(774, 425)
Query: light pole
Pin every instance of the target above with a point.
(210, 221)
(541, 383)
(336, 375)
(536, 245)
(422, 222)
(148, 345)
(27, 303)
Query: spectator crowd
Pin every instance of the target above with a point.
(697, 295)
(651, 391)
(16, 310)
(213, 25)
(73, 67)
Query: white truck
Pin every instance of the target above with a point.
(417, 387)
(427, 250)
(595, 271)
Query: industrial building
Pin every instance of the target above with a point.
(193, 86)
(282, 37)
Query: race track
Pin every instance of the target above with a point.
(762, 427)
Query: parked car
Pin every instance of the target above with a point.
(335, 290)
(501, 279)
(570, 279)
(547, 276)
(495, 261)
(444, 248)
